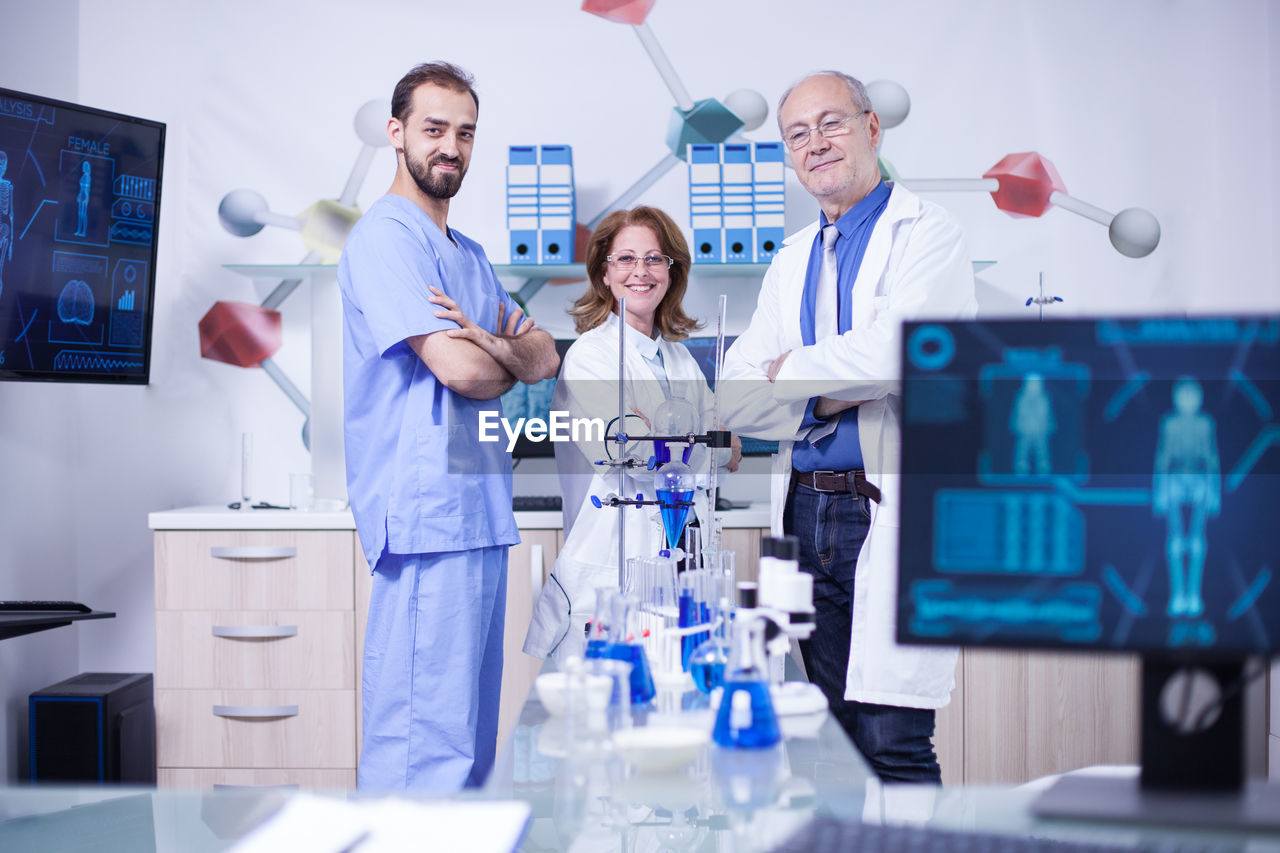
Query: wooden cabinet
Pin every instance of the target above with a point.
(528, 565)
(260, 641)
(260, 636)
(256, 656)
(1016, 716)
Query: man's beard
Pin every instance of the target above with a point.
(436, 185)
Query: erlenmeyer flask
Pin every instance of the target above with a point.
(624, 645)
(746, 719)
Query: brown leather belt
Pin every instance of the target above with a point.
(837, 482)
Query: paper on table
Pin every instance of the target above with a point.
(324, 825)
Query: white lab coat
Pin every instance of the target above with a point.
(916, 266)
(588, 387)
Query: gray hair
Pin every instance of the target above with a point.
(857, 91)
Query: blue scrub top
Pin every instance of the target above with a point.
(418, 478)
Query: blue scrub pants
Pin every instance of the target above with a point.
(433, 670)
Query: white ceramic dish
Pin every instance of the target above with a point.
(551, 688)
(659, 749)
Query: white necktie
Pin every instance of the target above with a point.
(826, 317)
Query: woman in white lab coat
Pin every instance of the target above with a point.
(640, 256)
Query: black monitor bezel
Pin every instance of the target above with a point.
(144, 378)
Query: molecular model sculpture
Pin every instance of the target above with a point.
(248, 335)
(1022, 185)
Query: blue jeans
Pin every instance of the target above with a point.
(897, 742)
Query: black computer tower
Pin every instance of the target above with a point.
(95, 727)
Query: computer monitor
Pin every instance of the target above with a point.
(535, 401)
(79, 198)
(704, 351)
(1102, 485)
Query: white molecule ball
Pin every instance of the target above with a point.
(371, 123)
(238, 210)
(748, 105)
(890, 101)
(1134, 232)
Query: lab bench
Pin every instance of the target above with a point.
(260, 624)
(1013, 716)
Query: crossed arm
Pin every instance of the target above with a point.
(480, 364)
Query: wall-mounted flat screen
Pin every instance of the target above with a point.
(79, 204)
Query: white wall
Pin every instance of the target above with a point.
(42, 467)
(1160, 104)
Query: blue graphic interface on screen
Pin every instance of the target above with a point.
(1101, 484)
(79, 190)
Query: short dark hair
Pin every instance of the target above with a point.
(443, 74)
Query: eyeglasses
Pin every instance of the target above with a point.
(798, 139)
(628, 260)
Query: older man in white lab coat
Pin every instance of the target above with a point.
(818, 369)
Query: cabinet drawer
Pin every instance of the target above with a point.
(258, 649)
(253, 570)
(256, 728)
(203, 778)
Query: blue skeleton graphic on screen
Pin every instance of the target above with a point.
(1031, 421)
(1187, 490)
(82, 199)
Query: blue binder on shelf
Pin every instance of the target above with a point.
(706, 210)
(522, 203)
(768, 192)
(556, 207)
(739, 218)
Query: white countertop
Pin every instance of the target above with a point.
(221, 518)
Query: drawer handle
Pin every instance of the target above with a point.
(255, 711)
(255, 631)
(253, 552)
(220, 786)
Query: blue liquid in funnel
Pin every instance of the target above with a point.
(674, 517)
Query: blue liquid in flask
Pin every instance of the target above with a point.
(642, 689)
(707, 675)
(752, 724)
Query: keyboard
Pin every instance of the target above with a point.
(536, 503)
(824, 834)
(41, 606)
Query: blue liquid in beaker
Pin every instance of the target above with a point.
(642, 689)
(673, 516)
(707, 674)
(740, 730)
(596, 649)
(688, 615)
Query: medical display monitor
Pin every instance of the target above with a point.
(1092, 485)
(79, 199)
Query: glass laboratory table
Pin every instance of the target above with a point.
(744, 801)
(721, 802)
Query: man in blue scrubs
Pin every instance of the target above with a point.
(430, 340)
